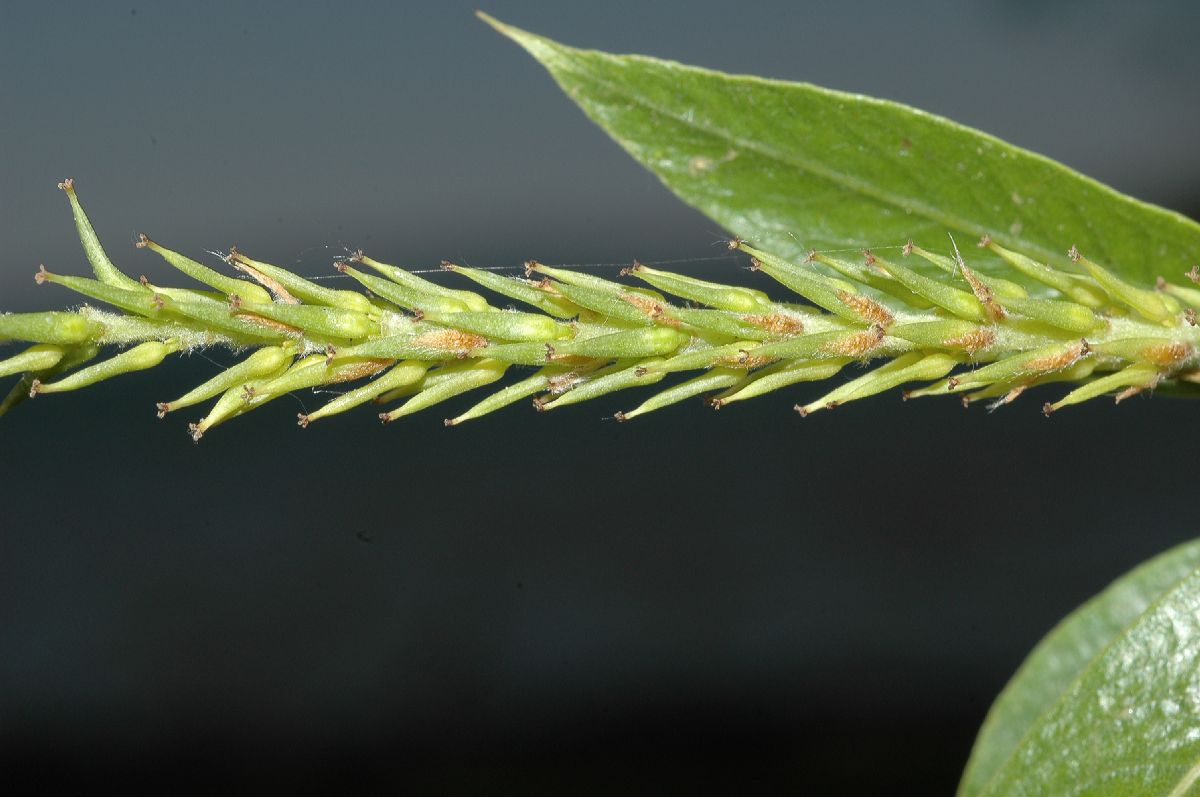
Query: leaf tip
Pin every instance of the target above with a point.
(539, 47)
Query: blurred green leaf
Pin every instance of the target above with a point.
(792, 167)
(1109, 701)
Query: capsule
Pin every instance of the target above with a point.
(462, 377)
(507, 325)
(265, 363)
(605, 382)
(722, 297)
(48, 327)
(909, 367)
(139, 358)
(1149, 304)
(41, 357)
(298, 287)
(229, 286)
(716, 379)
(400, 376)
(103, 268)
(520, 290)
(648, 342)
(469, 300)
(312, 319)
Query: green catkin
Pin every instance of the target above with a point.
(972, 333)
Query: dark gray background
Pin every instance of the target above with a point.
(740, 597)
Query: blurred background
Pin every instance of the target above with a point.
(555, 602)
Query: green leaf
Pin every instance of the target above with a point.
(1109, 701)
(770, 160)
